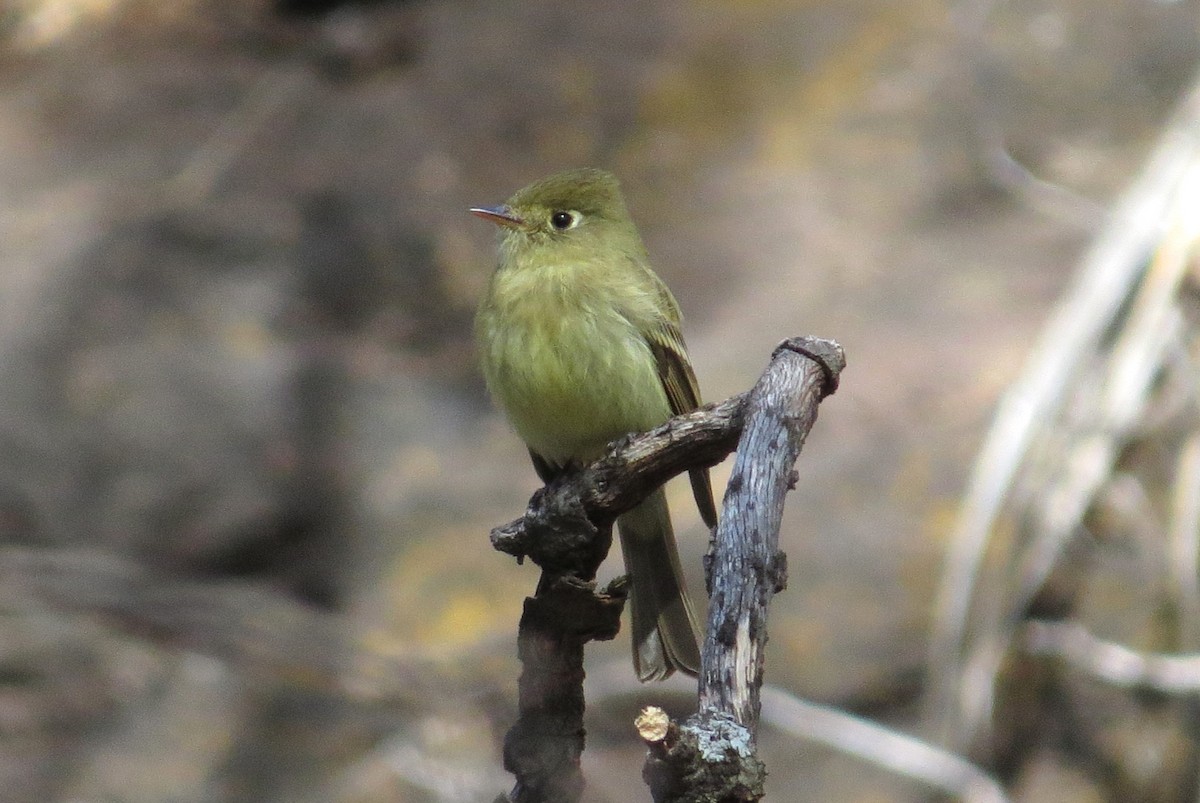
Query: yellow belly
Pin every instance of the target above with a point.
(570, 379)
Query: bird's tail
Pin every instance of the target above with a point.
(663, 624)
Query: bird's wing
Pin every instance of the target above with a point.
(683, 393)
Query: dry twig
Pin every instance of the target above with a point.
(712, 756)
(1113, 663)
(1062, 425)
(567, 532)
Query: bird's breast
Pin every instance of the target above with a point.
(566, 364)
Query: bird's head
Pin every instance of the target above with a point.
(575, 209)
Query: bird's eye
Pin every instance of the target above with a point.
(563, 220)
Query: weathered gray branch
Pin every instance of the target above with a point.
(567, 532)
(1111, 662)
(746, 568)
(712, 756)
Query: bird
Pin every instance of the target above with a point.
(580, 344)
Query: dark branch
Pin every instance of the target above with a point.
(567, 531)
(544, 746)
(634, 466)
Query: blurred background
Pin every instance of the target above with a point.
(248, 467)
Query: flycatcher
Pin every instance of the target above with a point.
(580, 344)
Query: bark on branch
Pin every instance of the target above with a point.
(583, 502)
(712, 756)
(567, 532)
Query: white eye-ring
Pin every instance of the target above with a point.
(562, 219)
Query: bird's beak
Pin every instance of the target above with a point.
(500, 215)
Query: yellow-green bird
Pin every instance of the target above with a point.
(580, 344)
